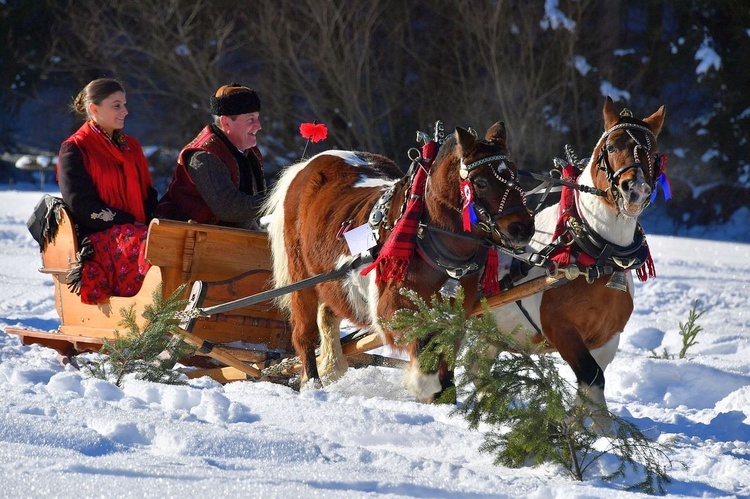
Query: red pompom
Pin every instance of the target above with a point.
(315, 132)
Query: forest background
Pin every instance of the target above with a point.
(376, 71)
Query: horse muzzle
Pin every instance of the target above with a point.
(515, 234)
(634, 196)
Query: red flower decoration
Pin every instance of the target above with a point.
(315, 132)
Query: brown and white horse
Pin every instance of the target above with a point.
(314, 199)
(583, 320)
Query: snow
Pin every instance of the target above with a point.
(608, 89)
(65, 434)
(555, 18)
(582, 65)
(707, 56)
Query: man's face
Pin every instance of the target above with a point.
(242, 129)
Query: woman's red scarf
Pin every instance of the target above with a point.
(120, 174)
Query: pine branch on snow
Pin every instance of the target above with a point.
(528, 408)
(137, 352)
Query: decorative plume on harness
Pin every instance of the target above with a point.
(561, 255)
(490, 281)
(662, 180)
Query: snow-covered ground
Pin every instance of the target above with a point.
(63, 434)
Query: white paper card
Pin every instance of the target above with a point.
(360, 239)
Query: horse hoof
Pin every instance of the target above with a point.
(332, 373)
(425, 387)
(312, 384)
(603, 426)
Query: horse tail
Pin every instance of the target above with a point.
(273, 213)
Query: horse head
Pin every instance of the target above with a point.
(627, 160)
(489, 184)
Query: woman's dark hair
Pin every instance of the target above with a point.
(95, 92)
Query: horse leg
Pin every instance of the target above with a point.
(424, 386)
(305, 334)
(605, 354)
(333, 364)
(445, 377)
(589, 375)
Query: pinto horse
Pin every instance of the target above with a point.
(312, 202)
(596, 227)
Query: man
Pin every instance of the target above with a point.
(219, 175)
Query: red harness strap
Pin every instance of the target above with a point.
(394, 258)
(562, 253)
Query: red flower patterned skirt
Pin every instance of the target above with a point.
(118, 264)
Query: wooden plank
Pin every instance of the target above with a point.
(60, 253)
(76, 315)
(524, 290)
(366, 359)
(219, 252)
(218, 353)
(64, 344)
(244, 354)
(261, 323)
(369, 342)
(220, 374)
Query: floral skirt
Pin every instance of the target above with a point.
(115, 263)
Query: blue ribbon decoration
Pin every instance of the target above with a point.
(472, 214)
(664, 181)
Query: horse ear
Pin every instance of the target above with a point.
(656, 120)
(465, 139)
(611, 116)
(496, 132)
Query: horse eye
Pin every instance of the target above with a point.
(610, 148)
(480, 183)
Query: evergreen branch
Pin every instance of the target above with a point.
(690, 329)
(137, 351)
(531, 411)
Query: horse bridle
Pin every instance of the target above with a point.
(602, 159)
(486, 220)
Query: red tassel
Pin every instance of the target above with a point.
(647, 270)
(315, 132)
(490, 282)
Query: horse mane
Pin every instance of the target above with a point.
(448, 145)
(273, 208)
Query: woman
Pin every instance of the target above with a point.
(104, 180)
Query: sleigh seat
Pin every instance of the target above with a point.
(233, 263)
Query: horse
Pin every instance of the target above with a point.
(596, 227)
(315, 200)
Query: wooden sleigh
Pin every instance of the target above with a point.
(232, 262)
(229, 265)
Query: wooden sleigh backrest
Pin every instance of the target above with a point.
(234, 263)
(61, 250)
